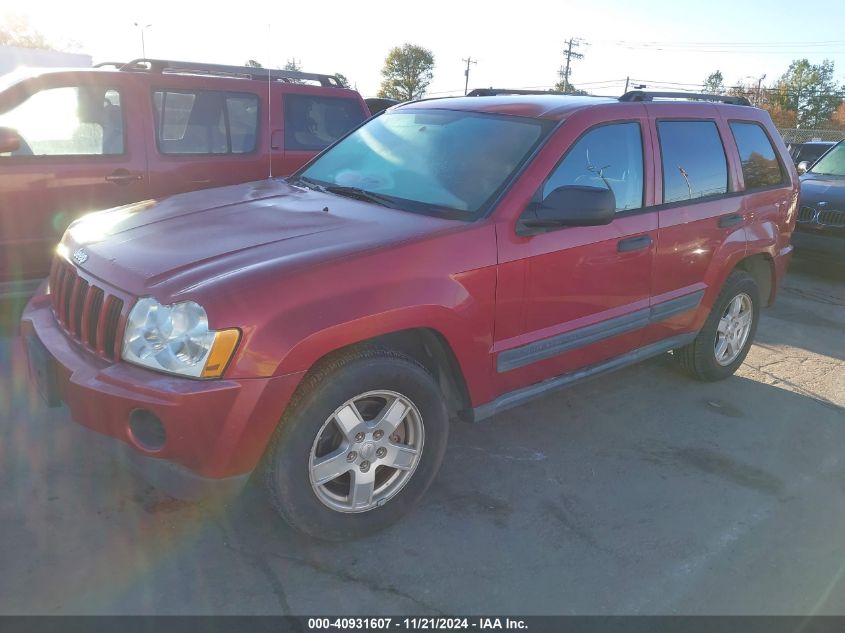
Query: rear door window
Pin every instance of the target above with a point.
(760, 166)
(693, 159)
(70, 121)
(205, 122)
(315, 122)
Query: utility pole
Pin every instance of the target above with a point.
(569, 54)
(468, 60)
(143, 27)
(759, 86)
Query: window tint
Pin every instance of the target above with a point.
(431, 161)
(242, 112)
(760, 166)
(694, 164)
(610, 156)
(316, 122)
(69, 121)
(205, 122)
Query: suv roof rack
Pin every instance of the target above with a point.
(492, 92)
(144, 64)
(642, 95)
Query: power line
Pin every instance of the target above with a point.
(685, 44)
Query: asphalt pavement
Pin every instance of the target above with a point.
(643, 492)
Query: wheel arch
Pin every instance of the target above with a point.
(427, 346)
(761, 267)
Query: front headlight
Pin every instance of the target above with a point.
(176, 339)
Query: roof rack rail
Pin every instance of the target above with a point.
(492, 92)
(222, 70)
(642, 95)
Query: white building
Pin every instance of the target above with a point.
(12, 57)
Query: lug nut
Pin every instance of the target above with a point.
(381, 452)
(359, 437)
(352, 456)
(378, 435)
(365, 466)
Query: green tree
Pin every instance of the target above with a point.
(715, 83)
(408, 71)
(808, 89)
(566, 87)
(253, 64)
(342, 80)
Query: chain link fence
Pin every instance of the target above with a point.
(801, 135)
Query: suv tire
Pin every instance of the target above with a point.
(730, 328)
(321, 451)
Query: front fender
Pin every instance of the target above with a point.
(313, 313)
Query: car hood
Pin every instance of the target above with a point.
(817, 188)
(190, 239)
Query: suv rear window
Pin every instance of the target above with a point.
(694, 163)
(313, 122)
(760, 166)
(68, 121)
(205, 122)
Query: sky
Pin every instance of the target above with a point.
(661, 43)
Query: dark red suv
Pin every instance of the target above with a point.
(74, 141)
(449, 259)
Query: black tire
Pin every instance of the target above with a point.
(286, 464)
(699, 358)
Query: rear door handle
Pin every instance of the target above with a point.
(634, 243)
(730, 220)
(122, 177)
(201, 181)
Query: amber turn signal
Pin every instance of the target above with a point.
(225, 342)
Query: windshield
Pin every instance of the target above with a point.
(433, 161)
(832, 163)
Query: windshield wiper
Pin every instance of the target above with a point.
(360, 194)
(311, 184)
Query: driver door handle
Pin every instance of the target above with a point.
(122, 177)
(634, 243)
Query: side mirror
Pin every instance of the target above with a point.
(572, 205)
(10, 140)
(803, 167)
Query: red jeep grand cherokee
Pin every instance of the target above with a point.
(450, 258)
(75, 141)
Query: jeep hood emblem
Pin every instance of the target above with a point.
(80, 256)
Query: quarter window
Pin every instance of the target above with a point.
(205, 122)
(314, 123)
(694, 163)
(72, 121)
(760, 166)
(610, 157)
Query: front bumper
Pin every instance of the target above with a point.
(216, 430)
(819, 245)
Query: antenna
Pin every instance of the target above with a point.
(269, 104)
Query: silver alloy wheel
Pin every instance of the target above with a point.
(733, 329)
(366, 451)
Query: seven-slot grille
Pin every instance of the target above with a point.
(84, 310)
